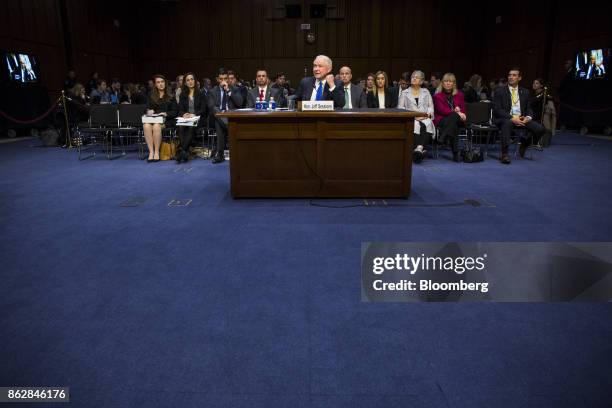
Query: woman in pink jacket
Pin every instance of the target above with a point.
(449, 111)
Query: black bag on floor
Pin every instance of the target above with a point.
(473, 155)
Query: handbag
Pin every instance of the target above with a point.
(167, 150)
(472, 155)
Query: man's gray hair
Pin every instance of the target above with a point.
(325, 58)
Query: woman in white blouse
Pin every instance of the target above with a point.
(418, 99)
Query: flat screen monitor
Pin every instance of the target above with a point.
(592, 64)
(21, 68)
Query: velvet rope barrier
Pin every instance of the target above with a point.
(29, 122)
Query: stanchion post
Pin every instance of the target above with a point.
(68, 136)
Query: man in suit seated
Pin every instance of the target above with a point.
(321, 86)
(221, 98)
(263, 90)
(281, 83)
(511, 109)
(233, 81)
(354, 96)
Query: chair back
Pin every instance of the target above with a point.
(131, 115)
(478, 113)
(104, 115)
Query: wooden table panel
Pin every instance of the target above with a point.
(361, 153)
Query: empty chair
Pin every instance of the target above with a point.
(103, 121)
(130, 119)
(478, 123)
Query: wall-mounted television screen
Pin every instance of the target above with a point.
(592, 64)
(21, 67)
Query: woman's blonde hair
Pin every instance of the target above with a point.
(449, 76)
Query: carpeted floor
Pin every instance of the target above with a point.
(133, 302)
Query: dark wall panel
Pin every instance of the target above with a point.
(389, 35)
(134, 40)
(34, 27)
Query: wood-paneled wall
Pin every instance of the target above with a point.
(133, 40)
(100, 37)
(34, 27)
(394, 36)
(96, 42)
(539, 36)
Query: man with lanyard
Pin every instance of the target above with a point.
(511, 110)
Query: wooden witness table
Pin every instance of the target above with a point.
(348, 153)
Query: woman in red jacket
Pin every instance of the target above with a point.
(449, 111)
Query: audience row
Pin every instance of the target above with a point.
(440, 101)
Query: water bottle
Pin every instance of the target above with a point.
(272, 103)
(258, 104)
(264, 105)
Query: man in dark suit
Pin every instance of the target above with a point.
(594, 70)
(511, 110)
(264, 91)
(354, 96)
(281, 83)
(232, 80)
(221, 98)
(321, 86)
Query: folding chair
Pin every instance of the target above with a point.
(130, 119)
(479, 123)
(103, 121)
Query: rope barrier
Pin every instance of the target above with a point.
(29, 122)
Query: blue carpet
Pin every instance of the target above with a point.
(256, 303)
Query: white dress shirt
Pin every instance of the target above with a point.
(381, 100)
(313, 97)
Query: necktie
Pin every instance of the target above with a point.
(320, 91)
(514, 111)
(261, 95)
(224, 100)
(346, 98)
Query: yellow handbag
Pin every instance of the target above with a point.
(167, 151)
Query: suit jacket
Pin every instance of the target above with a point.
(502, 103)
(307, 87)
(168, 106)
(244, 92)
(358, 96)
(199, 105)
(442, 108)
(234, 101)
(390, 99)
(425, 104)
(270, 92)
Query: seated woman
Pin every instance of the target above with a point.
(191, 103)
(449, 111)
(418, 99)
(474, 90)
(369, 85)
(382, 97)
(160, 102)
(77, 104)
(543, 108)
